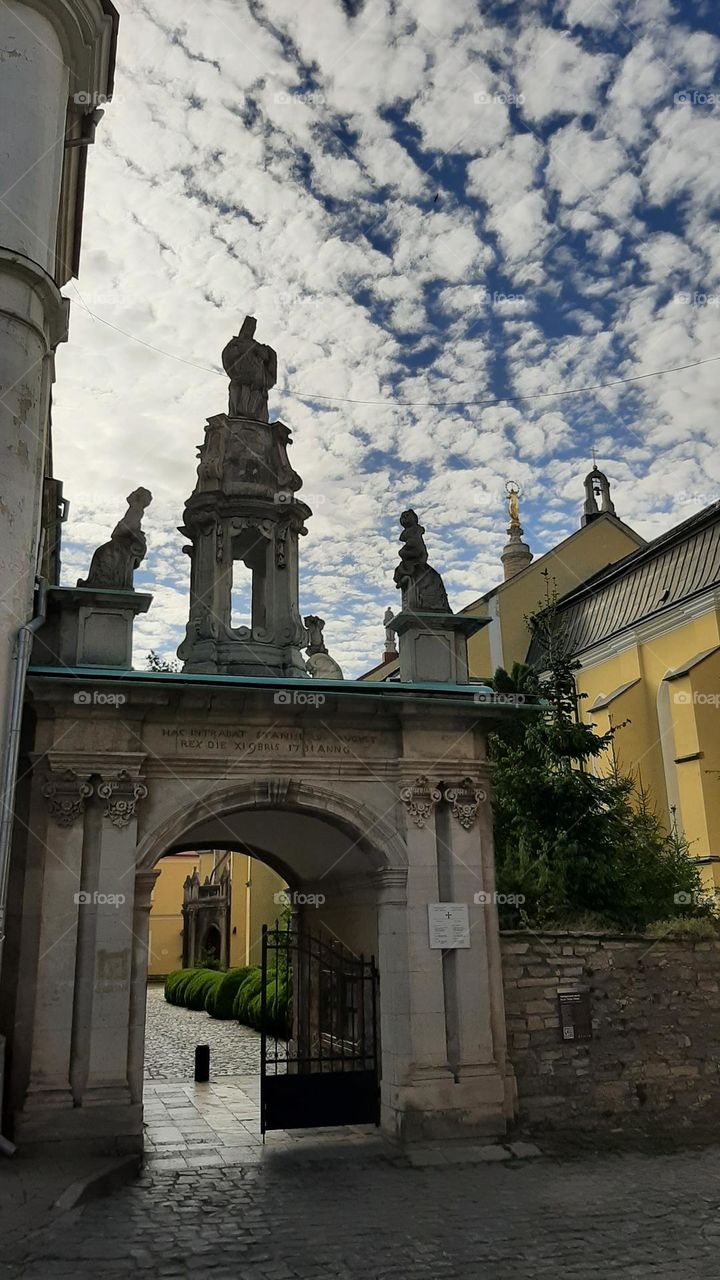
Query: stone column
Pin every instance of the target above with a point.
(63, 837)
(115, 943)
(443, 1075)
(144, 881)
(474, 976)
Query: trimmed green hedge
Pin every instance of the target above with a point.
(235, 993)
(199, 987)
(220, 1002)
(175, 984)
(248, 1002)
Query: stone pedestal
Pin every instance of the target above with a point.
(433, 646)
(88, 627)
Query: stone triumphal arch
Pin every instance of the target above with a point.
(373, 798)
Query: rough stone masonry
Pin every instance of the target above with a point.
(653, 1062)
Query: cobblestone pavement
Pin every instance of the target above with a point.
(171, 1034)
(630, 1216)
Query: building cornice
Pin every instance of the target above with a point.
(87, 30)
(670, 619)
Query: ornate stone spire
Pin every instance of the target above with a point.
(245, 508)
(516, 553)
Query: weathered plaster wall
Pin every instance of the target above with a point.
(654, 1060)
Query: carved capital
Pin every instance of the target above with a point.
(464, 800)
(420, 798)
(65, 794)
(121, 795)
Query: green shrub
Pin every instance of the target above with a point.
(220, 1002)
(249, 987)
(248, 1002)
(175, 983)
(198, 987)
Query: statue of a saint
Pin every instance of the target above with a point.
(114, 563)
(422, 587)
(252, 369)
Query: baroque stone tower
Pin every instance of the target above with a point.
(244, 509)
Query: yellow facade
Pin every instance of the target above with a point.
(253, 890)
(670, 718)
(577, 558)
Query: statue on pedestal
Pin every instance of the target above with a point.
(422, 588)
(319, 663)
(114, 563)
(252, 370)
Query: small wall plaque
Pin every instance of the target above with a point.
(575, 1014)
(448, 925)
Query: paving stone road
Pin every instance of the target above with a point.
(631, 1216)
(171, 1035)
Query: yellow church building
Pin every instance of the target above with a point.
(643, 620)
(210, 906)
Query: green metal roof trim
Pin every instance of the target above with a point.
(451, 693)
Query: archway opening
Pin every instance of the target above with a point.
(278, 867)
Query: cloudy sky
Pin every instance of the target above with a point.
(419, 201)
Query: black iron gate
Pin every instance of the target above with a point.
(319, 1048)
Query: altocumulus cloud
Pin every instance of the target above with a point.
(418, 202)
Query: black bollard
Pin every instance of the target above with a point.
(202, 1063)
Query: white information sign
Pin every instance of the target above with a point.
(448, 925)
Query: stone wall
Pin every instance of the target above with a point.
(653, 1062)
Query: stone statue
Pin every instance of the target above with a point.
(319, 663)
(389, 633)
(114, 563)
(513, 494)
(252, 370)
(421, 586)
